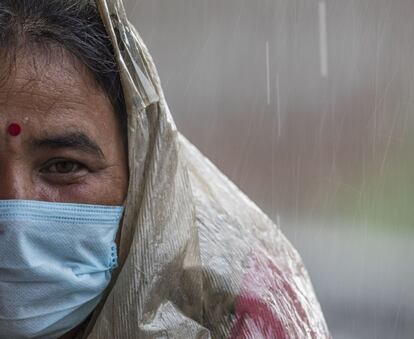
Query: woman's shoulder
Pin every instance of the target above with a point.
(255, 284)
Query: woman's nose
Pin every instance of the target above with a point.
(15, 183)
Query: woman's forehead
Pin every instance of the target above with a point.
(56, 92)
(48, 73)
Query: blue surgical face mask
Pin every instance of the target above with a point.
(56, 260)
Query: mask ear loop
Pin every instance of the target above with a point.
(14, 129)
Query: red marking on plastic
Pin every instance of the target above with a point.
(14, 129)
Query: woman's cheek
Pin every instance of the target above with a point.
(99, 189)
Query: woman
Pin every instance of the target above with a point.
(112, 225)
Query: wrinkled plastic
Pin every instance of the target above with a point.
(198, 259)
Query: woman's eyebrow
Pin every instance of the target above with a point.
(78, 141)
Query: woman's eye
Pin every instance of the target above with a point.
(63, 167)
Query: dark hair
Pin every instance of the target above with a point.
(74, 25)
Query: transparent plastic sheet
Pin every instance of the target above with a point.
(198, 259)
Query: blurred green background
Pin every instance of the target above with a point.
(308, 106)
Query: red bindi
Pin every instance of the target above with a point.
(14, 129)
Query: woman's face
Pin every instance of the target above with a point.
(70, 147)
